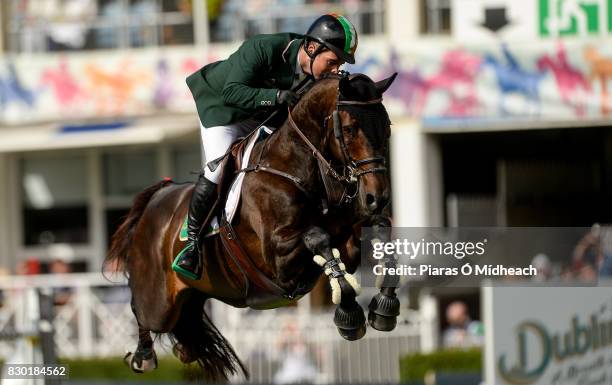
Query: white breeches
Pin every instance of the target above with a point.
(218, 139)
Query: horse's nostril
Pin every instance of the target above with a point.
(371, 202)
(370, 199)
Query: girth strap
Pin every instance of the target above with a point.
(256, 282)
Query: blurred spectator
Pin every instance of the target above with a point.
(180, 33)
(61, 256)
(297, 367)
(587, 274)
(31, 266)
(594, 251)
(462, 332)
(108, 35)
(67, 21)
(142, 22)
(567, 273)
(544, 267)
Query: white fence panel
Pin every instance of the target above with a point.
(277, 346)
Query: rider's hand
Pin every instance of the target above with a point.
(287, 97)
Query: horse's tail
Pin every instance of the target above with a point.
(201, 341)
(118, 252)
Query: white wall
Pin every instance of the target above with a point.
(402, 19)
(416, 176)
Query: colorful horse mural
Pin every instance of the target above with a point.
(601, 69)
(433, 82)
(455, 77)
(571, 83)
(513, 79)
(12, 89)
(66, 89)
(113, 91)
(164, 89)
(409, 86)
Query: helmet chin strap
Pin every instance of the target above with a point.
(313, 56)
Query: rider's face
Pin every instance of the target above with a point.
(326, 62)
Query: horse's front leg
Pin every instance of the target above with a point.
(385, 306)
(349, 316)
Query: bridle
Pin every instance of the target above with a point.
(342, 186)
(349, 177)
(351, 164)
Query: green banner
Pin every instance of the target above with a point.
(575, 17)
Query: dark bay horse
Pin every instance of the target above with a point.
(333, 141)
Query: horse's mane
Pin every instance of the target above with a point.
(320, 85)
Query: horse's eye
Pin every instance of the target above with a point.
(350, 129)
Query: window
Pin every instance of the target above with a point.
(113, 218)
(55, 200)
(125, 175)
(128, 173)
(186, 163)
(436, 17)
(67, 25)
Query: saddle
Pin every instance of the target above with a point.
(261, 292)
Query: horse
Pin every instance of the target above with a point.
(319, 179)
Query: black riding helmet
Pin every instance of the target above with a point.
(335, 33)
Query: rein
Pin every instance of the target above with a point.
(341, 188)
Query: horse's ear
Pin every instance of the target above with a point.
(383, 85)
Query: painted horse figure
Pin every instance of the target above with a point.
(318, 179)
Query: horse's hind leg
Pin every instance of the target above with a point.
(144, 359)
(349, 317)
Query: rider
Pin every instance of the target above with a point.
(266, 71)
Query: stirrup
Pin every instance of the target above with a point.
(180, 270)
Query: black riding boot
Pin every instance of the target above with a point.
(188, 261)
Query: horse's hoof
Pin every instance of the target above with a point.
(141, 363)
(385, 305)
(384, 310)
(381, 323)
(353, 334)
(350, 320)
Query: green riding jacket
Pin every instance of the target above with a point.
(246, 83)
